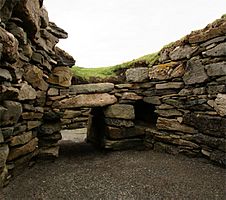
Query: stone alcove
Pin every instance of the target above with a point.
(145, 114)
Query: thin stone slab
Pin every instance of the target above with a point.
(91, 88)
(88, 100)
(173, 125)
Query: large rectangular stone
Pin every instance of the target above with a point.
(91, 88)
(195, 72)
(121, 111)
(169, 85)
(119, 122)
(21, 139)
(87, 100)
(174, 125)
(216, 69)
(137, 75)
(120, 133)
(23, 150)
(124, 144)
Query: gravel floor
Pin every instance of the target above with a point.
(82, 172)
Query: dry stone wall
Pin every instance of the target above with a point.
(176, 106)
(30, 64)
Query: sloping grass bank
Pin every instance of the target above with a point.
(106, 72)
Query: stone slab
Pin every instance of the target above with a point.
(88, 100)
(137, 75)
(120, 111)
(91, 88)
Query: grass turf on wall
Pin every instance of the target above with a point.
(106, 72)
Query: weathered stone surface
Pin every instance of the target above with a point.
(208, 33)
(214, 142)
(77, 125)
(50, 128)
(27, 92)
(46, 42)
(31, 115)
(5, 75)
(214, 40)
(41, 98)
(131, 96)
(4, 152)
(23, 150)
(123, 86)
(175, 140)
(19, 128)
(8, 132)
(12, 114)
(169, 85)
(29, 12)
(52, 152)
(63, 58)
(3, 177)
(219, 50)
(167, 71)
(34, 76)
(37, 58)
(8, 93)
(164, 107)
(61, 76)
(152, 100)
(21, 139)
(166, 148)
(44, 17)
(216, 69)
(119, 122)
(173, 125)
(18, 32)
(70, 114)
(220, 104)
(195, 72)
(120, 133)
(121, 111)
(169, 113)
(33, 124)
(137, 75)
(88, 100)
(124, 144)
(7, 9)
(2, 111)
(182, 52)
(199, 91)
(55, 137)
(57, 31)
(53, 92)
(91, 88)
(215, 89)
(209, 125)
(1, 137)
(10, 46)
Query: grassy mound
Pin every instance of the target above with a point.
(106, 72)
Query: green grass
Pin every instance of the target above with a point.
(106, 72)
(223, 16)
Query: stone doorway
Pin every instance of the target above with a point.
(95, 130)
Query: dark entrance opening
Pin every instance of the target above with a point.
(95, 132)
(144, 114)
